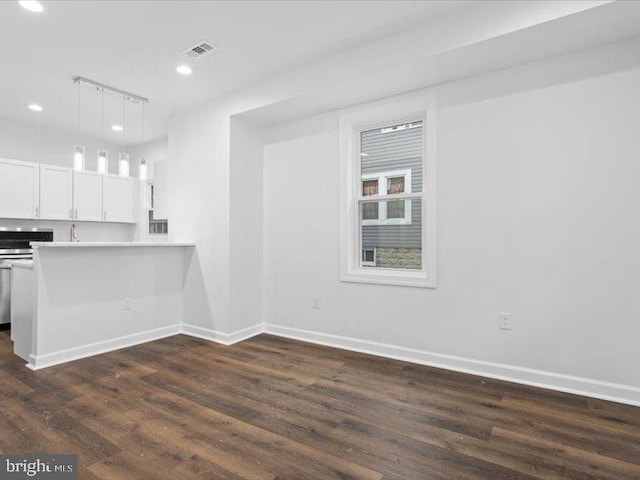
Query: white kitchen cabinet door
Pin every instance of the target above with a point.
(56, 192)
(19, 189)
(87, 196)
(118, 198)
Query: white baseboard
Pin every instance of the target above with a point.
(220, 337)
(554, 381)
(36, 362)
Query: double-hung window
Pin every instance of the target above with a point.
(388, 194)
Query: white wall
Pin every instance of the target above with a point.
(215, 200)
(30, 144)
(245, 276)
(199, 206)
(537, 215)
(518, 150)
(154, 151)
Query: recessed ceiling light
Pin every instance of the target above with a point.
(35, 107)
(31, 5)
(184, 69)
(116, 128)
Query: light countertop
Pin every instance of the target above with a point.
(109, 244)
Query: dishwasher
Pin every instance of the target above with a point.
(15, 245)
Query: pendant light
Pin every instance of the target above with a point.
(142, 166)
(79, 150)
(123, 158)
(103, 154)
(123, 164)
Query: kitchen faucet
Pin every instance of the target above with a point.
(74, 233)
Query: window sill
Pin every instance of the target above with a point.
(388, 221)
(384, 276)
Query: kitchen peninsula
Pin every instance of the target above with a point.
(80, 299)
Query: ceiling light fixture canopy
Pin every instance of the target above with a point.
(34, 107)
(31, 5)
(184, 69)
(131, 97)
(116, 128)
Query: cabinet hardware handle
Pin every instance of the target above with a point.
(76, 213)
(104, 215)
(71, 213)
(37, 211)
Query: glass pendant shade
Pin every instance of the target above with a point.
(103, 161)
(142, 169)
(78, 158)
(123, 164)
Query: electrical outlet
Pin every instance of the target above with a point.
(315, 302)
(505, 321)
(127, 304)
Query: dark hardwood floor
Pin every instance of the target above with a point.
(271, 408)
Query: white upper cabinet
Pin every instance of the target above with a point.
(49, 192)
(56, 193)
(118, 199)
(87, 196)
(19, 189)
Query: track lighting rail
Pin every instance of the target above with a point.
(132, 97)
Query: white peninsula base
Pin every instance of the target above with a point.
(90, 298)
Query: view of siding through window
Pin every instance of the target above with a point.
(156, 226)
(391, 164)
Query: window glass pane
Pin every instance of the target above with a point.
(368, 256)
(386, 151)
(395, 185)
(369, 187)
(157, 226)
(397, 243)
(370, 210)
(396, 209)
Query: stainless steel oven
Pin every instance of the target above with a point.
(14, 245)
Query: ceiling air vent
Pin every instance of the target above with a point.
(199, 49)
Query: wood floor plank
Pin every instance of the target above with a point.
(592, 466)
(271, 408)
(369, 442)
(281, 455)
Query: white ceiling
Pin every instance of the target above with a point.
(488, 37)
(135, 46)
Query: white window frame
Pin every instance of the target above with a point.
(352, 123)
(375, 257)
(382, 206)
(148, 206)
